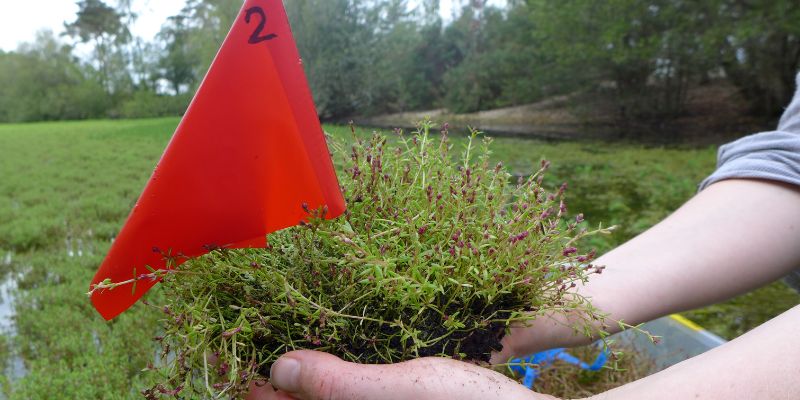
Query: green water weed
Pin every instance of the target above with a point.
(437, 254)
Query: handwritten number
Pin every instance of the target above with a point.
(255, 37)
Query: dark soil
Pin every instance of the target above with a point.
(475, 345)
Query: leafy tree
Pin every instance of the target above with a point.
(423, 67)
(408, 61)
(179, 62)
(103, 26)
(496, 59)
(759, 43)
(207, 23)
(649, 51)
(144, 60)
(44, 81)
(377, 56)
(334, 38)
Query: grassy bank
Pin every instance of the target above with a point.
(66, 188)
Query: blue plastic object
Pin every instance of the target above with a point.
(531, 366)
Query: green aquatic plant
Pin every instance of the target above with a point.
(438, 253)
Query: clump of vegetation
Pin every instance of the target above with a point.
(436, 255)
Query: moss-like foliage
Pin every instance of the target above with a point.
(437, 254)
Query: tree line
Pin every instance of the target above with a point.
(365, 57)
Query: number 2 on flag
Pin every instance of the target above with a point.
(255, 38)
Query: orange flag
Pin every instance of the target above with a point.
(248, 154)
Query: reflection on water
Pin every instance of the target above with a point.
(14, 367)
(7, 287)
(77, 248)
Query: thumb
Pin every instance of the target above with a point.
(310, 375)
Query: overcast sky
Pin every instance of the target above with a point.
(21, 19)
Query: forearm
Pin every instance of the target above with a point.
(762, 364)
(732, 237)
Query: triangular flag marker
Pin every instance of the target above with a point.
(246, 157)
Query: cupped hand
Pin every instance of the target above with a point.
(311, 375)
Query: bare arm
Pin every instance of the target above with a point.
(762, 364)
(732, 237)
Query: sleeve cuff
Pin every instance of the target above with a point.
(769, 155)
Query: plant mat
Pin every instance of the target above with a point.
(438, 253)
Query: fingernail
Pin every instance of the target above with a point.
(285, 375)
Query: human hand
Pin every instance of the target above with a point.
(311, 375)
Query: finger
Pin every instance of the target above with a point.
(511, 346)
(309, 375)
(529, 337)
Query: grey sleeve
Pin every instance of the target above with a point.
(773, 155)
